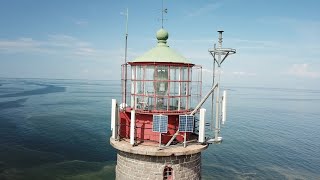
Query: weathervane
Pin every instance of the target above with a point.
(163, 11)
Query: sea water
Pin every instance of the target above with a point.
(60, 129)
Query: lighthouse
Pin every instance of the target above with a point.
(159, 127)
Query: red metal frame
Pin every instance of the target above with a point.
(143, 126)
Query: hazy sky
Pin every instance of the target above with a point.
(277, 41)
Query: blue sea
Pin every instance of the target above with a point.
(53, 129)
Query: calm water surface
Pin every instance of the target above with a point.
(59, 129)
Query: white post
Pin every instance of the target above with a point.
(132, 86)
(202, 123)
(185, 140)
(179, 89)
(132, 126)
(224, 106)
(114, 116)
(160, 140)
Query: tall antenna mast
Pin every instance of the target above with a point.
(125, 61)
(219, 54)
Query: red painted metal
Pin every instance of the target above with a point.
(144, 128)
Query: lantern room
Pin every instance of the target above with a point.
(161, 82)
(160, 87)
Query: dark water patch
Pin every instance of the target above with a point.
(101, 96)
(94, 92)
(282, 99)
(70, 103)
(33, 83)
(12, 104)
(9, 89)
(67, 170)
(17, 156)
(219, 171)
(83, 83)
(62, 135)
(113, 96)
(46, 90)
(275, 89)
(8, 130)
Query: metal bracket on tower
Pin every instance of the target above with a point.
(225, 52)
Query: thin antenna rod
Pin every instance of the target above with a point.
(127, 17)
(162, 15)
(125, 61)
(212, 96)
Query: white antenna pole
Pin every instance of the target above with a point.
(217, 129)
(212, 96)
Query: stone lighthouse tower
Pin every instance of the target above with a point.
(155, 129)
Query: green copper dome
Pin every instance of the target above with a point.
(162, 35)
(162, 52)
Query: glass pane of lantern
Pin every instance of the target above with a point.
(149, 73)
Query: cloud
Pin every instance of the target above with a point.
(62, 40)
(204, 9)
(237, 73)
(22, 45)
(302, 70)
(304, 29)
(53, 43)
(209, 71)
(242, 73)
(254, 44)
(81, 22)
(65, 45)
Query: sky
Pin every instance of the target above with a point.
(277, 42)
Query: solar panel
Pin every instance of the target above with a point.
(160, 123)
(186, 123)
